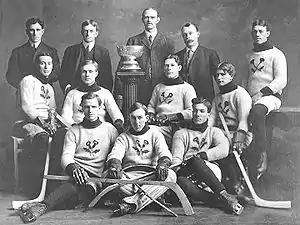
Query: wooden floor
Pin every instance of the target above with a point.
(282, 182)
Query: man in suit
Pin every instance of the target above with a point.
(156, 48)
(199, 63)
(88, 49)
(21, 61)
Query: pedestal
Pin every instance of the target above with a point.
(129, 80)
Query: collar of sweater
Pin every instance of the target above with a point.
(42, 78)
(141, 132)
(85, 88)
(90, 124)
(262, 47)
(175, 81)
(199, 127)
(227, 88)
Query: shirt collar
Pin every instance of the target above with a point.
(36, 45)
(192, 48)
(91, 45)
(153, 34)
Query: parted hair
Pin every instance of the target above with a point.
(90, 62)
(201, 100)
(228, 67)
(90, 22)
(175, 57)
(90, 95)
(187, 24)
(138, 105)
(261, 22)
(150, 8)
(37, 58)
(34, 20)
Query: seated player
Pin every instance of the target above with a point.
(197, 148)
(234, 102)
(171, 100)
(72, 110)
(137, 151)
(85, 150)
(37, 104)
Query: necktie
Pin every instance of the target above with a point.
(33, 48)
(189, 56)
(150, 39)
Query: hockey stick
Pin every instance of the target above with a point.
(257, 200)
(18, 204)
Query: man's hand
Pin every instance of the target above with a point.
(115, 169)
(162, 168)
(119, 126)
(152, 119)
(162, 119)
(50, 128)
(239, 141)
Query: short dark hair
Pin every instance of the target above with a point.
(150, 8)
(175, 57)
(201, 100)
(37, 58)
(90, 95)
(228, 67)
(34, 20)
(261, 22)
(90, 62)
(90, 22)
(138, 105)
(187, 24)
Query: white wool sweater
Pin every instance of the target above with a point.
(266, 69)
(144, 149)
(235, 106)
(88, 147)
(72, 111)
(169, 99)
(35, 98)
(187, 143)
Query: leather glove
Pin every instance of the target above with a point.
(119, 126)
(162, 168)
(50, 128)
(164, 119)
(202, 155)
(161, 119)
(152, 119)
(239, 141)
(78, 173)
(115, 169)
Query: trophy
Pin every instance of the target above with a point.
(128, 54)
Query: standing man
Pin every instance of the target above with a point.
(21, 61)
(88, 49)
(266, 78)
(156, 48)
(199, 63)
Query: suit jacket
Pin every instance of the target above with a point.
(201, 70)
(151, 62)
(21, 63)
(71, 63)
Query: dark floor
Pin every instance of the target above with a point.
(282, 182)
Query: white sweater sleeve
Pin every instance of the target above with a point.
(119, 148)
(112, 107)
(69, 148)
(67, 110)
(213, 115)
(161, 146)
(27, 95)
(244, 104)
(178, 147)
(189, 94)
(220, 145)
(279, 72)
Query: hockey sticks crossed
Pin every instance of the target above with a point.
(257, 200)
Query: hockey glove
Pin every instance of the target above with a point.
(79, 174)
(152, 119)
(239, 141)
(162, 168)
(115, 169)
(119, 126)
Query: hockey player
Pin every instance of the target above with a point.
(266, 78)
(72, 110)
(234, 103)
(85, 150)
(171, 100)
(137, 151)
(197, 148)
